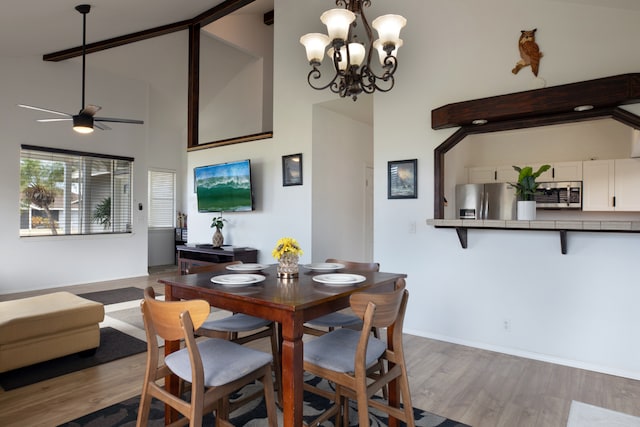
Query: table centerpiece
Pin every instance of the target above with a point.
(287, 251)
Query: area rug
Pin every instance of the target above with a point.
(585, 415)
(115, 295)
(113, 345)
(131, 316)
(253, 414)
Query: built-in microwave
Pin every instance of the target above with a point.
(559, 195)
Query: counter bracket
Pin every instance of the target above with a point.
(462, 236)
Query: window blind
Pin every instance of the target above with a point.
(162, 195)
(66, 192)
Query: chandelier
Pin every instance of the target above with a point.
(352, 74)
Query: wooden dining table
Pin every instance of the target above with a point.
(290, 302)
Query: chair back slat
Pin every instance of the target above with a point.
(386, 305)
(165, 315)
(356, 266)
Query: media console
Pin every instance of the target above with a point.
(191, 255)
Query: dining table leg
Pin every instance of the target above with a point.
(292, 371)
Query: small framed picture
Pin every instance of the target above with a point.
(292, 170)
(403, 179)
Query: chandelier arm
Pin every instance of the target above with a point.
(315, 74)
(368, 31)
(367, 75)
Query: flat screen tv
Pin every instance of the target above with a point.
(225, 187)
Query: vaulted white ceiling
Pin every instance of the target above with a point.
(37, 27)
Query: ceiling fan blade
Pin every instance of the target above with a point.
(45, 110)
(100, 126)
(90, 110)
(53, 120)
(114, 120)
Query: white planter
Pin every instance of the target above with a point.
(526, 210)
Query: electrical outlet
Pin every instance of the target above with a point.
(506, 324)
(412, 227)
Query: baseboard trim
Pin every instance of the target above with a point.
(531, 355)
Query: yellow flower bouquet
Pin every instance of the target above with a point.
(287, 251)
(286, 245)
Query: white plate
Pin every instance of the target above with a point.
(339, 279)
(324, 266)
(246, 268)
(237, 280)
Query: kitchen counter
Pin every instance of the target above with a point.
(632, 226)
(462, 225)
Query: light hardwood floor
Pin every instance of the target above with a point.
(477, 387)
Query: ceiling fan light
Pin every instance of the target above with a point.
(83, 124)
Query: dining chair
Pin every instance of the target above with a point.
(340, 319)
(215, 367)
(343, 356)
(231, 327)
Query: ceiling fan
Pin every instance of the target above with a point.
(85, 120)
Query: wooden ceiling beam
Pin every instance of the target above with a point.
(607, 92)
(223, 9)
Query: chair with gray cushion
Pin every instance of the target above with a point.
(344, 357)
(340, 319)
(215, 367)
(231, 327)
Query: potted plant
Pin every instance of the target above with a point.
(526, 189)
(218, 239)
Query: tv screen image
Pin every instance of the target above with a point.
(224, 187)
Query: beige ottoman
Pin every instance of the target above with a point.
(44, 327)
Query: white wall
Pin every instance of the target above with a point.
(342, 149)
(162, 62)
(43, 262)
(573, 308)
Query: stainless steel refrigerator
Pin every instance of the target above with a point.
(485, 201)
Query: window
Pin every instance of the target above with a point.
(65, 192)
(162, 198)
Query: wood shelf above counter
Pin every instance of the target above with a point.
(462, 225)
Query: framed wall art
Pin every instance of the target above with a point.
(403, 179)
(292, 170)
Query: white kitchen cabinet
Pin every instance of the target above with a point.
(567, 171)
(506, 174)
(598, 185)
(491, 174)
(481, 174)
(560, 171)
(627, 182)
(611, 185)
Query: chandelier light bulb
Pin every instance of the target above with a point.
(356, 52)
(314, 43)
(382, 54)
(338, 22)
(388, 27)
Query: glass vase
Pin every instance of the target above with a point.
(288, 266)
